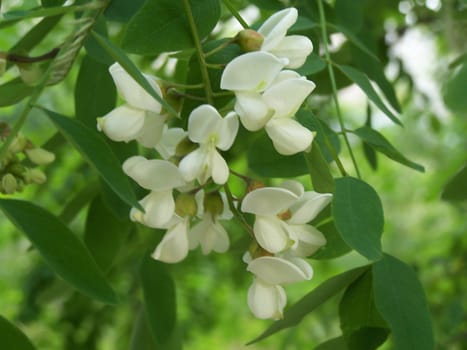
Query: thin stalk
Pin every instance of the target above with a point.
(199, 52)
(219, 48)
(235, 211)
(333, 84)
(235, 13)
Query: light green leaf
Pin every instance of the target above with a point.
(295, 313)
(98, 153)
(456, 188)
(358, 215)
(159, 299)
(12, 337)
(13, 92)
(60, 248)
(378, 142)
(400, 299)
(119, 56)
(50, 3)
(321, 177)
(364, 83)
(95, 93)
(162, 25)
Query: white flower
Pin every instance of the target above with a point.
(295, 48)
(207, 128)
(169, 141)
(282, 214)
(174, 245)
(139, 119)
(161, 177)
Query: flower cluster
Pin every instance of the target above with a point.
(184, 186)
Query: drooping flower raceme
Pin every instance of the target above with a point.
(140, 117)
(207, 128)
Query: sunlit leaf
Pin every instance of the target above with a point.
(60, 248)
(12, 337)
(400, 299)
(358, 215)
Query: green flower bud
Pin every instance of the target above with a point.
(184, 147)
(9, 183)
(16, 169)
(249, 40)
(185, 205)
(18, 145)
(40, 156)
(213, 204)
(35, 176)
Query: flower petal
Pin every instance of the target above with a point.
(275, 27)
(203, 122)
(174, 246)
(124, 123)
(287, 96)
(151, 131)
(169, 141)
(295, 48)
(219, 170)
(193, 164)
(271, 234)
(307, 239)
(288, 136)
(293, 186)
(227, 131)
(268, 201)
(266, 301)
(253, 71)
(132, 92)
(275, 270)
(308, 207)
(159, 207)
(253, 111)
(210, 235)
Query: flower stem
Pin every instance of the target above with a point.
(199, 52)
(219, 48)
(235, 13)
(333, 83)
(236, 212)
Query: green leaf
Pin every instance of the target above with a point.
(454, 89)
(104, 234)
(364, 83)
(46, 12)
(50, 3)
(321, 177)
(361, 324)
(264, 160)
(93, 48)
(122, 10)
(162, 25)
(141, 336)
(349, 14)
(378, 142)
(95, 93)
(456, 188)
(119, 56)
(295, 313)
(98, 153)
(312, 65)
(333, 344)
(60, 248)
(159, 298)
(370, 155)
(335, 245)
(13, 92)
(12, 337)
(400, 299)
(358, 215)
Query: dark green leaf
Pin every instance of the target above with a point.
(370, 155)
(119, 56)
(159, 298)
(361, 324)
(349, 14)
(122, 10)
(98, 153)
(295, 313)
(364, 83)
(104, 234)
(358, 215)
(335, 245)
(312, 65)
(93, 48)
(95, 93)
(270, 5)
(377, 141)
(60, 248)
(456, 188)
(321, 177)
(400, 299)
(162, 25)
(141, 336)
(264, 160)
(454, 89)
(12, 337)
(13, 92)
(333, 344)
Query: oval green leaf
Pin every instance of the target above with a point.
(321, 176)
(400, 299)
(98, 153)
(12, 337)
(335, 245)
(358, 215)
(60, 248)
(13, 92)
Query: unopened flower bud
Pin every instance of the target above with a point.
(213, 204)
(249, 40)
(31, 73)
(253, 185)
(18, 144)
(9, 183)
(35, 176)
(40, 156)
(184, 147)
(256, 251)
(16, 169)
(185, 205)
